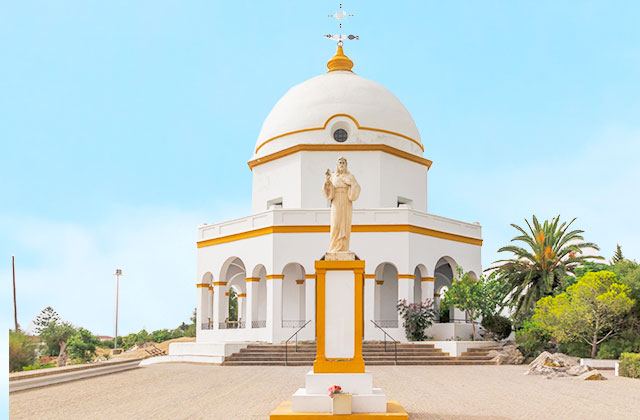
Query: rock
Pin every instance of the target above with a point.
(578, 370)
(552, 364)
(592, 375)
(507, 355)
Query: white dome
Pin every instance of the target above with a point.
(309, 113)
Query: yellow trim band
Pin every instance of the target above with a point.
(275, 276)
(369, 276)
(406, 276)
(252, 279)
(219, 283)
(431, 279)
(202, 285)
(326, 123)
(310, 276)
(269, 230)
(340, 148)
(244, 295)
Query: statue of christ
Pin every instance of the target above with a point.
(342, 189)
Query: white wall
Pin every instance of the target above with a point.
(298, 179)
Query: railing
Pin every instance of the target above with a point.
(228, 325)
(395, 342)
(293, 323)
(286, 343)
(387, 323)
(258, 324)
(206, 326)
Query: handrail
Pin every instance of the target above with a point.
(286, 348)
(395, 342)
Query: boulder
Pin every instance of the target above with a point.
(578, 370)
(592, 375)
(507, 355)
(554, 364)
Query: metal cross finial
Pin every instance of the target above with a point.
(339, 16)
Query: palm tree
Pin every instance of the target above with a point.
(551, 252)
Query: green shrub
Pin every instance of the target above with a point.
(22, 350)
(417, 318)
(613, 348)
(532, 339)
(37, 365)
(629, 365)
(498, 326)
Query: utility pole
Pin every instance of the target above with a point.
(15, 308)
(118, 273)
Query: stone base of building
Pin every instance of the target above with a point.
(284, 412)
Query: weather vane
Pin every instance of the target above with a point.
(339, 16)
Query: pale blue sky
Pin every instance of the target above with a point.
(123, 125)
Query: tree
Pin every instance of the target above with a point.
(56, 335)
(617, 256)
(477, 298)
(82, 345)
(551, 251)
(44, 318)
(592, 310)
(22, 350)
(417, 318)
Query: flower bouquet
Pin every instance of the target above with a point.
(341, 401)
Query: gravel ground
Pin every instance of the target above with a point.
(181, 391)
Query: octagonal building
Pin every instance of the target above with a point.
(265, 261)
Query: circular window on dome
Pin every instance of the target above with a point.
(340, 135)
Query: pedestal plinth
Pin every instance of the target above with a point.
(339, 312)
(339, 361)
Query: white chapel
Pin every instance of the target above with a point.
(266, 260)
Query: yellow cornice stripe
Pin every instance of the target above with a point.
(325, 228)
(275, 276)
(340, 148)
(219, 283)
(431, 279)
(309, 276)
(252, 279)
(406, 276)
(369, 276)
(326, 123)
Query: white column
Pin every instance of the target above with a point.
(274, 305)
(369, 304)
(405, 291)
(201, 310)
(219, 312)
(241, 306)
(378, 299)
(427, 288)
(301, 295)
(250, 313)
(310, 307)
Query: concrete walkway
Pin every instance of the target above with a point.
(181, 391)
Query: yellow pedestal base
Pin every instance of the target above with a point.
(394, 411)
